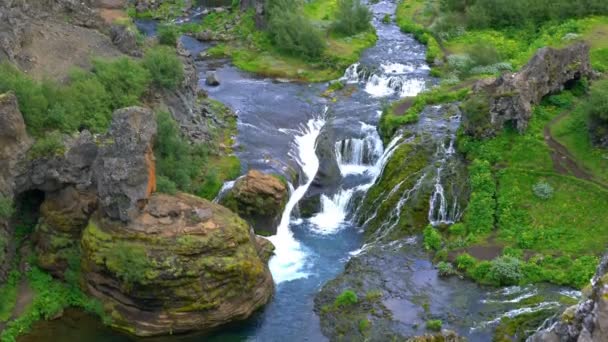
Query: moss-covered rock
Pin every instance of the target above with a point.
(64, 215)
(183, 264)
(260, 199)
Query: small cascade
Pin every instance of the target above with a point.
(357, 155)
(224, 190)
(439, 211)
(390, 79)
(333, 212)
(289, 258)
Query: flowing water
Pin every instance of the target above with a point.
(278, 127)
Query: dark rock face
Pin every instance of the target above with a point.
(183, 264)
(511, 97)
(585, 322)
(124, 169)
(125, 40)
(259, 199)
(64, 215)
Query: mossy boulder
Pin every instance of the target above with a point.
(260, 199)
(64, 215)
(183, 264)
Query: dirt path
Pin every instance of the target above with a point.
(563, 161)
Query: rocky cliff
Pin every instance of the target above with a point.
(585, 322)
(509, 98)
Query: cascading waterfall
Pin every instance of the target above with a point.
(357, 155)
(289, 258)
(392, 78)
(439, 211)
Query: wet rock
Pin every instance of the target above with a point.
(125, 40)
(260, 199)
(124, 169)
(211, 79)
(183, 264)
(64, 215)
(585, 322)
(510, 97)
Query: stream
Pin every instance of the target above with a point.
(279, 124)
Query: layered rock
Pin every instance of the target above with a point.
(510, 97)
(585, 322)
(260, 199)
(183, 264)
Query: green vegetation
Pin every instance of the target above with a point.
(352, 17)
(6, 207)
(49, 145)
(168, 34)
(434, 324)
(129, 262)
(8, 295)
(299, 43)
(165, 67)
(346, 298)
(194, 168)
(432, 238)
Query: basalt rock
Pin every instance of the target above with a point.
(183, 264)
(259, 199)
(14, 142)
(125, 40)
(260, 11)
(64, 215)
(585, 322)
(211, 79)
(124, 169)
(510, 97)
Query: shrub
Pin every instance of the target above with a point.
(506, 270)
(476, 114)
(165, 68)
(445, 269)
(465, 261)
(125, 80)
(165, 185)
(291, 32)
(596, 108)
(386, 19)
(346, 298)
(434, 324)
(352, 17)
(167, 34)
(47, 146)
(543, 190)
(432, 238)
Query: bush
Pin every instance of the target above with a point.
(506, 270)
(125, 80)
(165, 67)
(465, 261)
(432, 238)
(352, 17)
(291, 32)
(543, 190)
(434, 324)
(445, 269)
(346, 298)
(47, 146)
(167, 34)
(596, 109)
(386, 19)
(476, 114)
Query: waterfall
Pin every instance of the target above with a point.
(391, 79)
(357, 155)
(439, 212)
(289, 258)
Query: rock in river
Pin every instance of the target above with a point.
(211, 79)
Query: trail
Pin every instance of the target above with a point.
(563, 161)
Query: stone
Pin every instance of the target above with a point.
(260, 199)
(202, 270)
(211, 79)
(125, 40)
(585, 322)
(125, 169)
(14, 141)
(511, 96)
(64, 215)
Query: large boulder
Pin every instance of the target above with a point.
(125, 169)
(14, 141)
(510, 97)
(260, 199)
(125, 40)
(183, 264)
(585, 322)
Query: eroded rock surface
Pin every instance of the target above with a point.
(183, 264)
(260, 199)
(511, 97)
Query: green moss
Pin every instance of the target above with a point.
(346, 298)
(520, 327)
(434, 324)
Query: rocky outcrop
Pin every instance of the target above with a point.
(125, 40)
(183, 264)
(14, 141)
(124, 169)
(64, 215)
(510, 97)
(259, 199)
(260, 11)
(585, 322)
